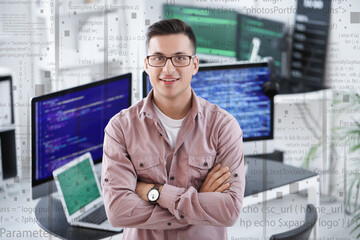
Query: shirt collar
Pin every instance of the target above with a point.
(147, 109)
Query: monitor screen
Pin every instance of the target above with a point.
(215, 29)
(265, 35)
(78, 186)
(68, 123)
(239, 90)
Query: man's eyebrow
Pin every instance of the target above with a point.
(157, 53)
(177, 53)
(180, 53)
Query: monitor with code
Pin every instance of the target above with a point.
(239, 90)
(68, 123)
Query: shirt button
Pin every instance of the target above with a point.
(106, 180)
(141, 165)
(160, 134)
(182, 216)
(169, 223)
(172, 178)
(235, 175)
(205, 164)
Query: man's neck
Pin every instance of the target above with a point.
(175, 108)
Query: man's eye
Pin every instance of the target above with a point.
(180, 58)
(159, 58)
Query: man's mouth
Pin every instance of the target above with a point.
(169, 79)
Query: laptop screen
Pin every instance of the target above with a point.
(78, 186)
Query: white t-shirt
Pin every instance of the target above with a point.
(172, 126)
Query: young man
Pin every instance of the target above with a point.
(173, 163)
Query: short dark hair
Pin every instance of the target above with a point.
(170, 26)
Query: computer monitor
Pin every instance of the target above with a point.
(7, 153)
(8, 165)
(215, 29)
(6, 100)
(70, 122)
(239, 89)
(260, 37)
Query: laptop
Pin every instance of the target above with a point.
(80, 194)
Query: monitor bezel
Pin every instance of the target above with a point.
(35, 100)
(235, 66)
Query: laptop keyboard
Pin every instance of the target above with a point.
(98, 216)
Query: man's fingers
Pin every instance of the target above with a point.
(214, 170)
(218, 174)
(222, 179)
(215, 179)
(223, 187)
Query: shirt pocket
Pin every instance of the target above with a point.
(199, 167)
(147, 167)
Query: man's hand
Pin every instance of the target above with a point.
(215, 179)
(142, 189)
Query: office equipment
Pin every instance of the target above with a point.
(309, 46)
(6, 100)
(8, 153)
(215, 29)
(80, 193)
(265, 179)
(259, 37)
(302, 232)
(8, 160)
(68, 123)
(239, 90)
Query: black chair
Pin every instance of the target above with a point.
(302, 232)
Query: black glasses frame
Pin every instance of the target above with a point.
(171, 59)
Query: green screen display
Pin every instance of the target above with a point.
(215, 29)
(78, 186)
(267, 31)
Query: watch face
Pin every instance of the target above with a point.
(153, 195)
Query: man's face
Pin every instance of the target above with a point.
(170, 82)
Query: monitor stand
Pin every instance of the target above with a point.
(275, 156)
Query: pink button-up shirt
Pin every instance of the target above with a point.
(136, 148)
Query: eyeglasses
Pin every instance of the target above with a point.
(177, 61)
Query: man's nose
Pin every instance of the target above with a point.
(168, 67)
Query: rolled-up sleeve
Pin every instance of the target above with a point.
(213, 208)
(123, 206)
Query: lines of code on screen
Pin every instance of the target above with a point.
(73, 123)
(215, 29)
(238, 91)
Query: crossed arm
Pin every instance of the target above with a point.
(214, 182)
(217, 203)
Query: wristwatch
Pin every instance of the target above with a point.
(153, 195)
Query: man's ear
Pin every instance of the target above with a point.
(146, 66)
(196, 65)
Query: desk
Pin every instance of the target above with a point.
(265, 180)
(50, 216)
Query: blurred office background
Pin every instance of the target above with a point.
(48, 46)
